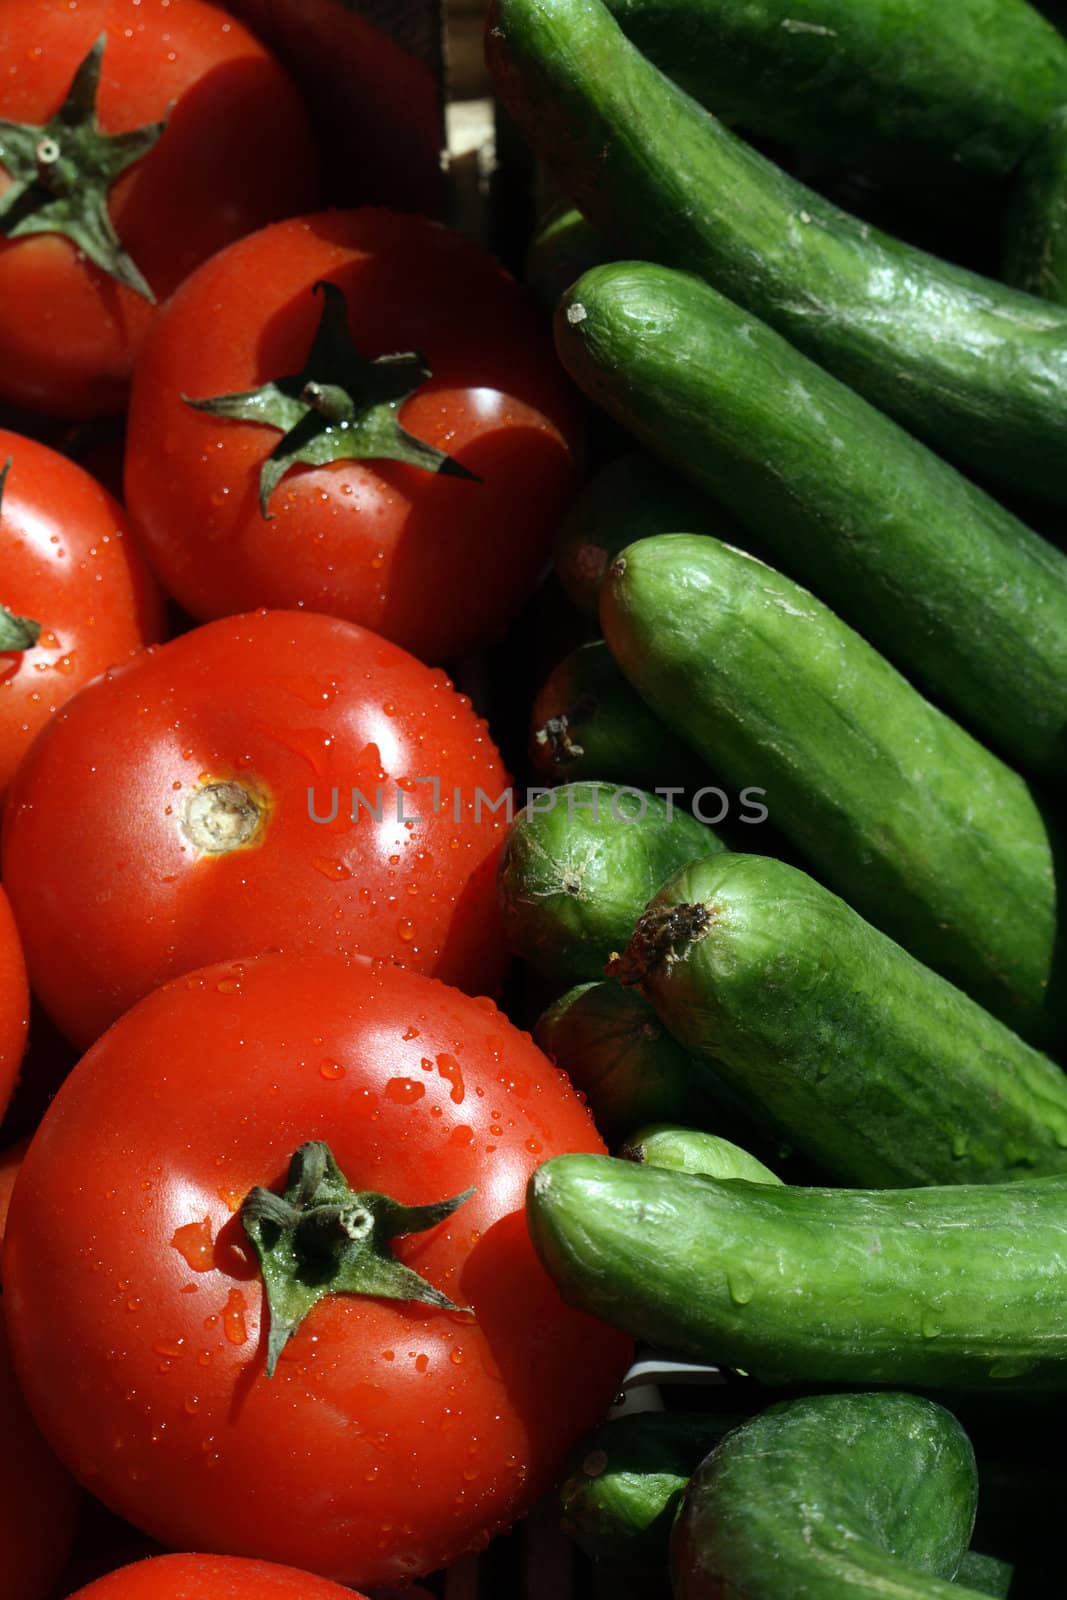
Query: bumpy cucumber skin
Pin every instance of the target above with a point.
(921, 93)
(953, 1288)
(631, 498)
(925, 832)
(571, 885)
(868, 1496)
(1036, 225)
(954, 589)
(588, 722)
(623, 1491)
(978, 369)
(881, 1071)
(690, 1150)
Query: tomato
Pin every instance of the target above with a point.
(437, 563)
(38, 1499)
(393, 1435)
(237, 153)
(211, 1578)
(197, 803)
(10, 1161)
(14, 1003)
(66, 561)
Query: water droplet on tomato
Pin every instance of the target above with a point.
(195, 1244)
(404, 1091)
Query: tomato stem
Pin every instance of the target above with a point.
(322, 1237)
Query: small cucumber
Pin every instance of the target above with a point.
(832, 1497)
(578, 864)
(563, 247)
(623, 1490)
(880, 1071)
(589, 723)
(922, 94)
(629, 499)
(690, 1150)
(1036, 225)
(954, 590)
(954, 1288)
(974, 367)
(924, 831)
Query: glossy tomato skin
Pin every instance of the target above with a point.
(436, 563)
(393, 1436)
(195, 1577)
(69, 332)
(38, 1498)
(14, 1003)
(68, 561)
(112, 897)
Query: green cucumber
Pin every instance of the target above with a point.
(920, 93)
(978, 369)
(588, 722)
(629, 499)
(880, 1071)
(691, 1150)
(626, 1482)
(948, 584)
(987, 1575)
(1036, 225)
(578, 864)
(925, 832)
(832, 1497)
(563, 247)
(952, 1288)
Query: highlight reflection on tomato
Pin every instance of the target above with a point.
(393, 1436)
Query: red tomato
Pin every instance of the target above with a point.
(236, 154)
(68, 562)
(393, 1436)
(38, 1499)
(14, 1003)
(119, 877)
(211, 1578)
(10, 1161)
(436, 563)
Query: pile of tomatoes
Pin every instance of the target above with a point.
(271, 468)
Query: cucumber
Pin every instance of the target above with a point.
(579, 863)
(563, 247)
(690, 1150)
(880, 1071)
(978, 369)
(626, 1482)
(1036, 225)
(925, 832)
(588, 722)
(987, 1575)
(948, 584)
(918, 92)
(951, 1288)
(832, 1497)
(629, 499)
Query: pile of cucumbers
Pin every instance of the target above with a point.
(794, 882)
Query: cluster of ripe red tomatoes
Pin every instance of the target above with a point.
(267, 1287)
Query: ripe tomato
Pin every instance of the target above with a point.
(435, 562)
(38, 1499)
(165, 817)
(10, 1161)
(237, 153)
(211, 1578)
(14, 1003)
(66, 561)
(393, 1436)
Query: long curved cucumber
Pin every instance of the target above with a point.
(925, 832)
(832, 1497)
(920, 93)
(1036, 225)
(952, 587)
(631, 498)
(588, 723)
(579, 863)
(878, 1069)
(978, 369)
(953, 1288)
